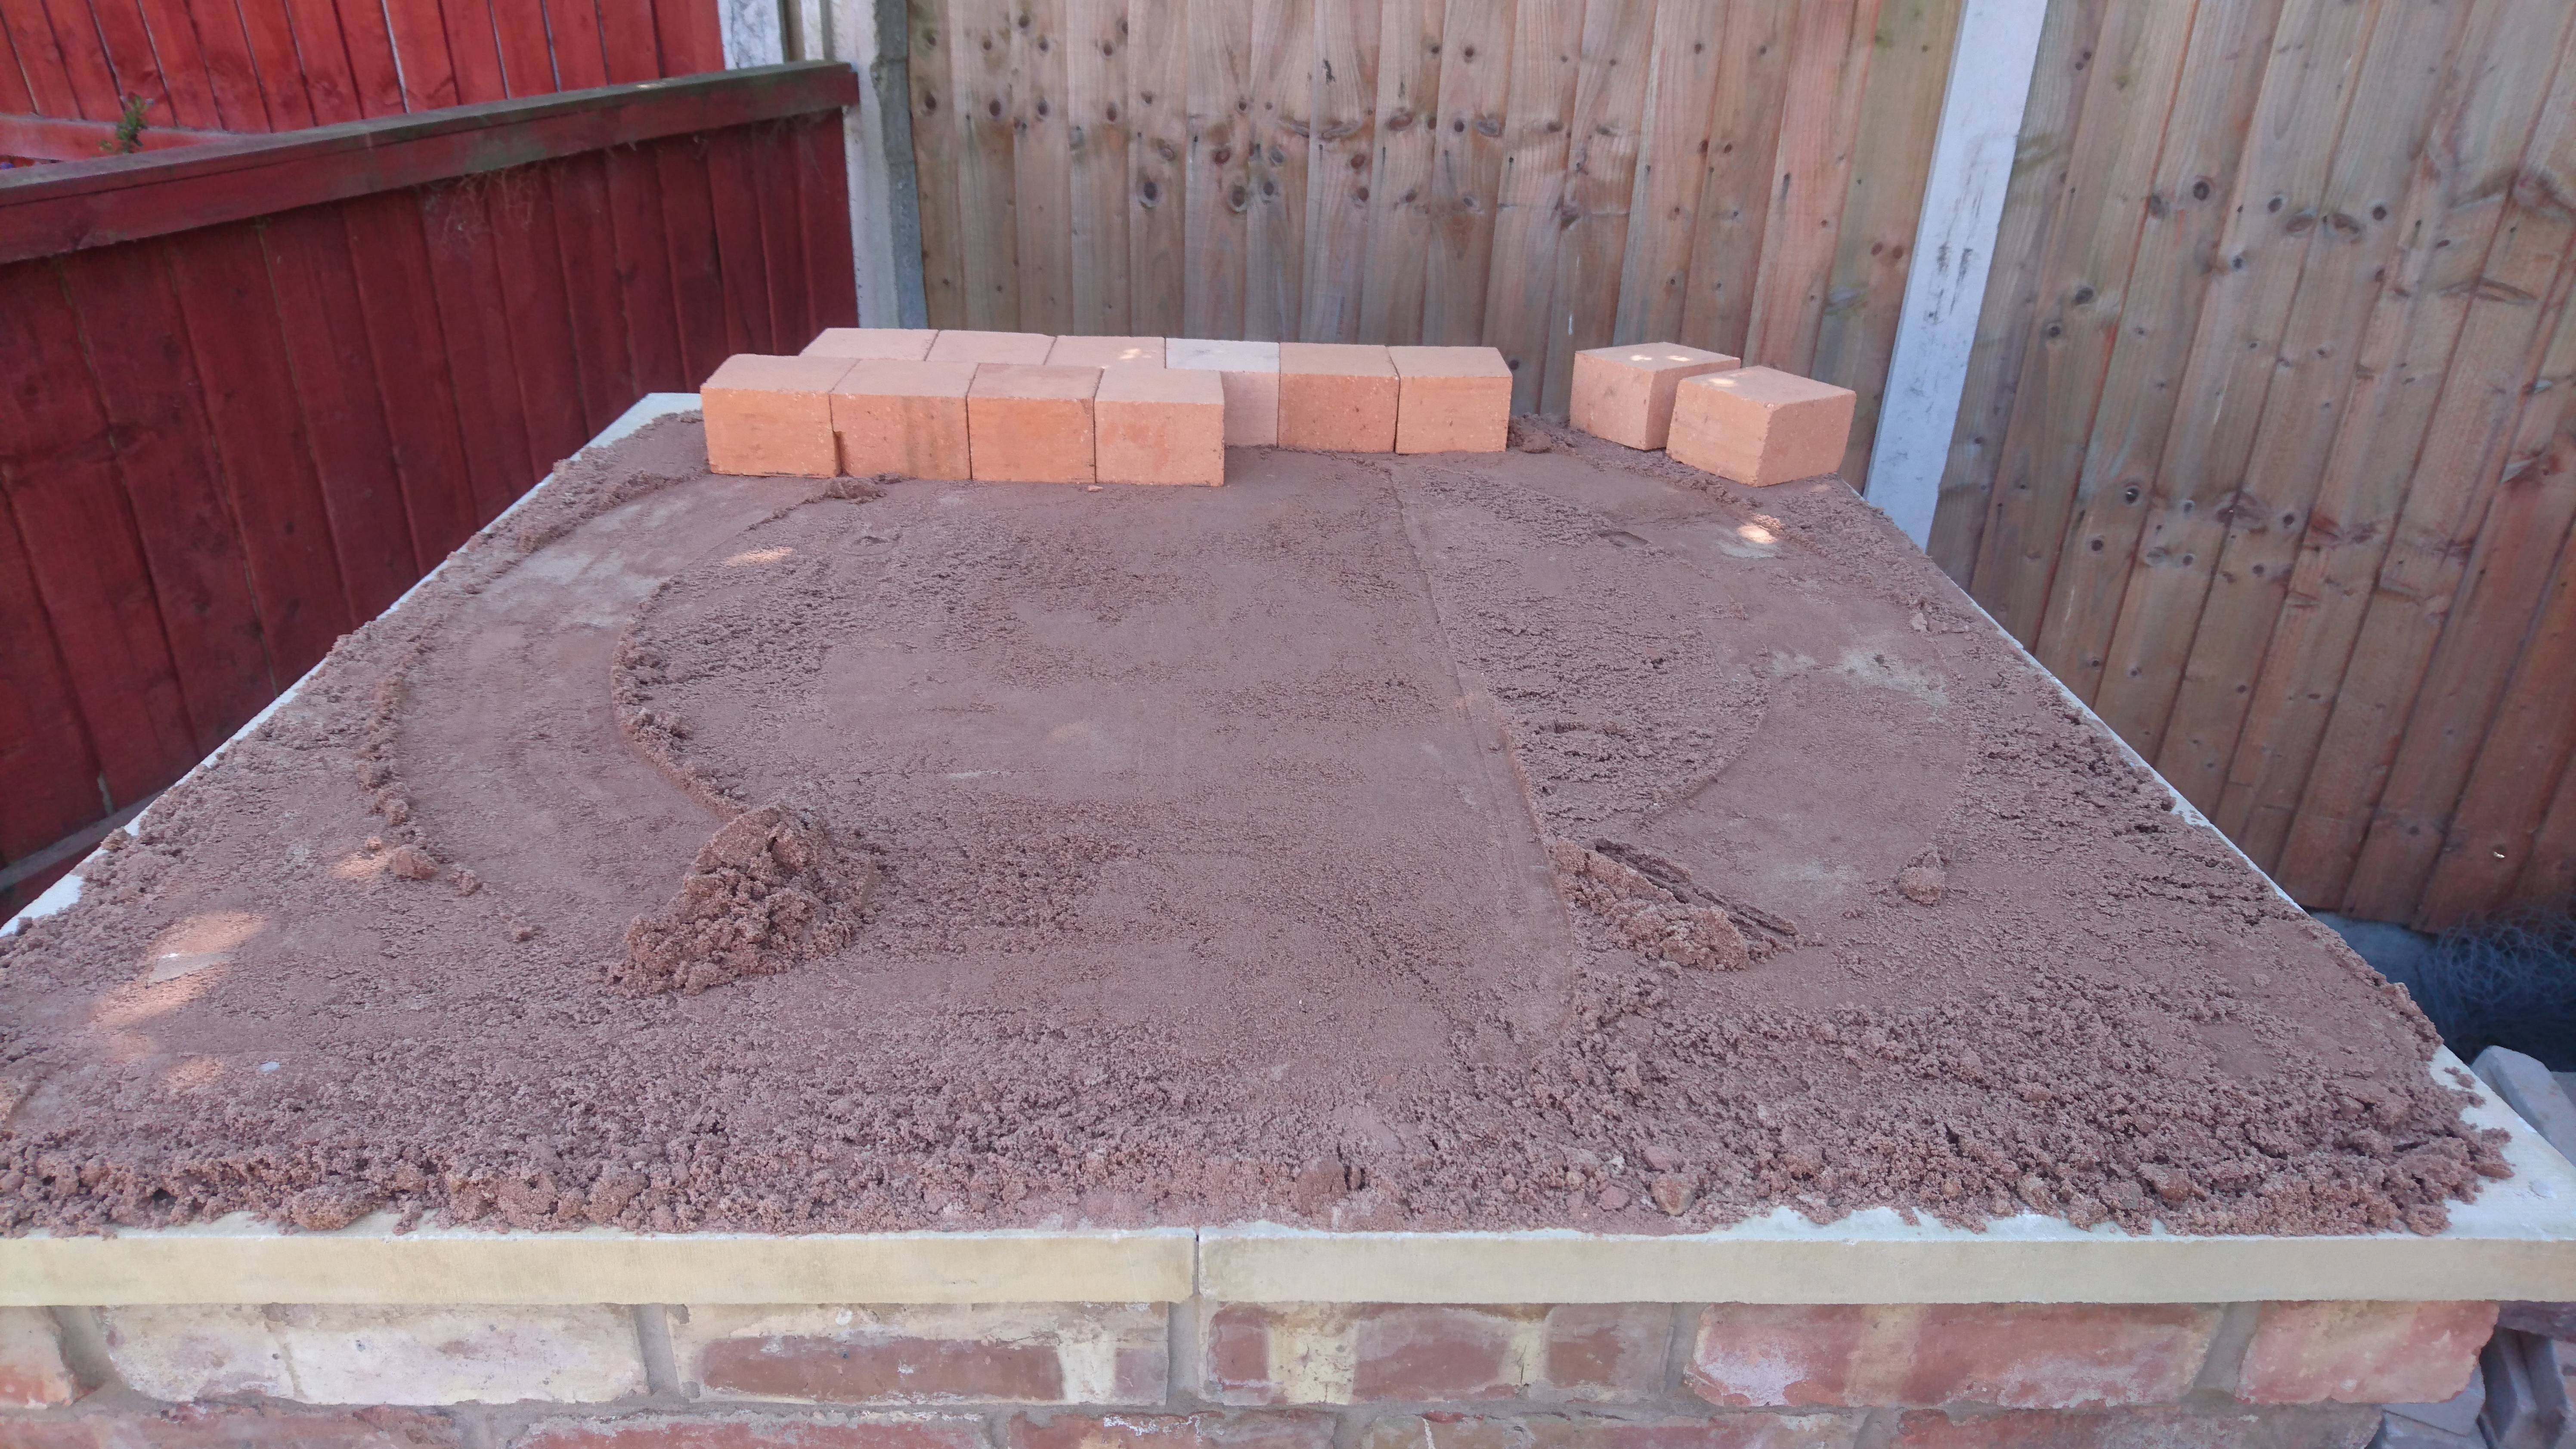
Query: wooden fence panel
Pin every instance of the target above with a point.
(2279, 484)
(279, 65)
(228, 436)
(1537, 175)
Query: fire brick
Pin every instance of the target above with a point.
(1760, 426)
(772, 415)
(1031, 424)
(898, 344)
(1250, 371)
(1106, 352)
(1026, 348)
(1451, 399)
(1336, 397)
(903, 417)
(1625, 394)
(1160, 425)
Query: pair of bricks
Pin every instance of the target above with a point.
(1752, 425)
(997, 406)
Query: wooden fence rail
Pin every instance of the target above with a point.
(2266, 448)
(251, 391)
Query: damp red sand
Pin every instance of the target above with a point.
(1540, 839)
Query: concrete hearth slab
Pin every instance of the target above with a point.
(2516, 1241)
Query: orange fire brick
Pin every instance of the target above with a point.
(1336, 397)
(1106, 352)
(1451, 399)
(1760, 426)
(953, 345)
(900, 343)
(1160, 425)
(903, 417)
(772, 415)
(1625, 394)
(1031, 424)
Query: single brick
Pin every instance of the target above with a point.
(772, 415)
(1625, 394)
(2363, 1353)
(1250, 371)
(756, 1431)
(899, 344)
(2013, 1355)
(2286, 1428)
(1031, 424)
(1336, 397)
(1159, 425)
(1432, 1353)
(1451, 399)
(368, 1355)
(937, 1354)
(33, 1374)
(1584, 1431)
(1607, 1350)
(1760, 426)
(903, 417)
(1025, 348)
(1106, 352)
(193, 1426)
(1284, 1429)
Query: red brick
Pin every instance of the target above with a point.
(1625, 394)
(753, 1431)
(32, 1372)
(2302, 1428)
(927, 1354)
(883, 1370)
(1237, 1340)
(2363, 1353)
(236, 1428)
(1730, 1431)
(1430, 1353)
(2007, 1354)
(1285, 1429)
(1607, 1350)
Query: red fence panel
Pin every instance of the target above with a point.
(250, 391)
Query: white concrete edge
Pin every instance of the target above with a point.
(2518, 1241)
(64, 893)
(1954, 241)
(754, 32)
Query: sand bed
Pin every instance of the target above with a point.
(1375, 843)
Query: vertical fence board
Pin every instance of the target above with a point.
(80, 538)
(367, 30)
(185, 73)
(1096, 100)
(1547, 43)
(782, 228)
(474, 52)
(321, 58)
(1218, 191)
(936, 118)
(980, 50)
(14, 97)
(1041, 189)
(590, 251)
(1466, 169)
(45, 752)
(72, 37)
(131, 58)
(1158, 143)
(1340, 163)
(271, 34)
(484, 379)
(1613, 71)
(398, 292)
(428, 71)
(697, 282)
(1735, 191)
(527, 62)
(1400, 227)
(1672, 162)
(1829, 65)
(132, 332)
(310, 264)
(644, 273)
(40, 60)
(626, 41)
(1282, 82)
(580, 51)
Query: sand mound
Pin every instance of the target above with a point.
(768, 890)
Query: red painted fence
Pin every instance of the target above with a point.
(280, 65)
(250, 391)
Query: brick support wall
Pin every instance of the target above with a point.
(1228, 1376)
